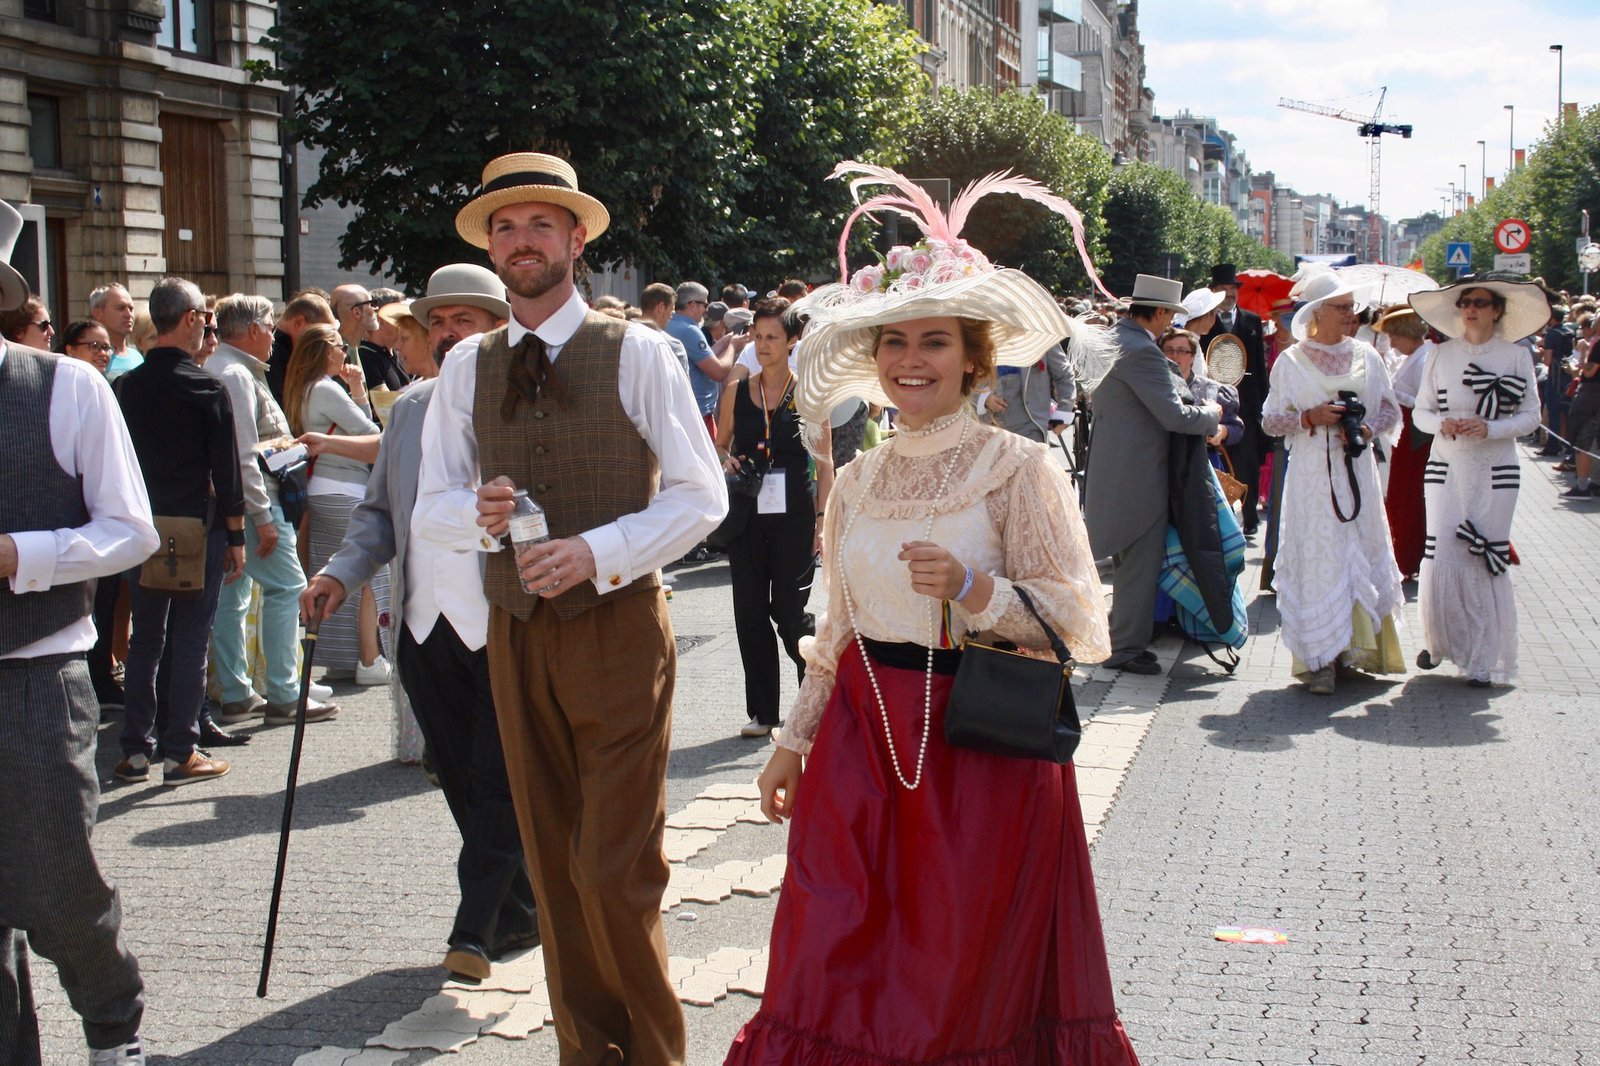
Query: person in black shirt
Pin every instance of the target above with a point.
(307, 308)
(181, 422)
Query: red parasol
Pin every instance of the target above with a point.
(1258, 289)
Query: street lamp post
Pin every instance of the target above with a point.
(1483, 188)
(1511, 139)
(1454, 207)
(1463, 186)
(1561, 62)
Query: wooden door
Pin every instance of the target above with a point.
(194, 200)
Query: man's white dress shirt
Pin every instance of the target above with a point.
(655, 395)
(90, 441)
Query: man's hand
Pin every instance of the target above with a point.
(8, 556)
(267, 534)
(495, 505)
(232, 563)
(324, 588)
(555, 566)
(994, 403)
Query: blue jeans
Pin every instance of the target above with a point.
(281, 581)
(184, 622)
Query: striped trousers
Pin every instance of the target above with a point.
(51, 887)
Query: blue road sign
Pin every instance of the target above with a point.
(1458, 255)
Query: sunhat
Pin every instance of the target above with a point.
(1318, 290)
(393, 312)
(1527, 309)
(528, 177)
(462, 283)
(939, 276)
(1402, 311)
(13, 287)
(1198, 304)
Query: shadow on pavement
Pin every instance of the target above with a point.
(697, 575)
(340, 1017)
(328, 801)
(702, 759)
(1423, 712)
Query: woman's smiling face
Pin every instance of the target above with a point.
(920, 366)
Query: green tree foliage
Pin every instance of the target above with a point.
(706, 128)
(1560, 181)
(1155, 223)
(965, 135)
(836, 80)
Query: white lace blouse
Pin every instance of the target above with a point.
(1008, 510)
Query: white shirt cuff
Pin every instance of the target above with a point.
(36, 561)
(612, 569)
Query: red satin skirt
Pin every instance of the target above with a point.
(954, 922)
(1408, 518)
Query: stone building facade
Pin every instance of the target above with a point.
(136, 144)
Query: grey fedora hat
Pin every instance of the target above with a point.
(1153, 291)
(13, 288)
(463, 283)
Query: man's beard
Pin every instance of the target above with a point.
(554, 273)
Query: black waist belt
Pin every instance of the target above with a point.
(903, 656)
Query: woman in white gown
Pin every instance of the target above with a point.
(1478, 395)
(1339, 590)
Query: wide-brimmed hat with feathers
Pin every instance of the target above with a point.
(939, 276)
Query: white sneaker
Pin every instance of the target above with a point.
(376, 674)
(129, 1054)
(320, 692)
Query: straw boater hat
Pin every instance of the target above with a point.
(1527, 310)
(529, 177)
(1383, 321)
(462, 283)
(1318, 290)
(939, 276)
(1198, 304)
(13, 288)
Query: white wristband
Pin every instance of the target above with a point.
(966, 586)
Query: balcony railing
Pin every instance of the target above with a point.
(1060, 11)
(1059, 71)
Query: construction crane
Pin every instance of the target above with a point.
(1373, 128)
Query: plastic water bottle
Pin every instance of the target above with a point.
(527, 527)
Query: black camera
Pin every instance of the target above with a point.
(746, 481)
(1350, 423)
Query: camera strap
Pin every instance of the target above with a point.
(1355, 488)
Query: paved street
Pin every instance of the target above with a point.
(1429, 850)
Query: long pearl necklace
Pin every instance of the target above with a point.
(850, 606)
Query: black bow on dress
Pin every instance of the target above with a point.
(1496, 554)
(1495, 393)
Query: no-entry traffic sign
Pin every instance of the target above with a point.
(1513, 236)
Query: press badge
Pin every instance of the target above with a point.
(772, 498)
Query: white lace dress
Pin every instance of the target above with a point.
(1339, 590)
(1009, 511)
(1466, 600)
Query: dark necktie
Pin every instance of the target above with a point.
(528, 371)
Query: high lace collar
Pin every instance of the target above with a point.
(937, 436)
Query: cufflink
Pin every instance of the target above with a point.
(615, 580)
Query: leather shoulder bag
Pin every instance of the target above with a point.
(1006, 703)
(179, 565)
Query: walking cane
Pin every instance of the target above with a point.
(310, 648)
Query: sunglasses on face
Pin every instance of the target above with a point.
(1343, 309)
(1480, 302)
(43, 325)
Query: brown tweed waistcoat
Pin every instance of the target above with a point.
(582, 459)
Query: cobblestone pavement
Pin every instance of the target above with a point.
(1430, 851)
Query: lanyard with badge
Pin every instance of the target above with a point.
(773, 498)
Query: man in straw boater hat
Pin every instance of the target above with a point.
(439, 633)
(1137, 408)
(594, 418)
(73, 509)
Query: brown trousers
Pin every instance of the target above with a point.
(585, 708)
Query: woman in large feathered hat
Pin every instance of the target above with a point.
(938, 902)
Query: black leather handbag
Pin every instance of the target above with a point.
(1006, 703)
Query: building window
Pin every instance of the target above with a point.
(39, 9)
(44, 131)
(187, 27)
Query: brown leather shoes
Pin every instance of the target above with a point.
(197, 767)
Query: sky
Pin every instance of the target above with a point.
(1450, 68)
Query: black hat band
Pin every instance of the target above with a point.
(526, 177)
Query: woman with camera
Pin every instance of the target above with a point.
(1478, 395)
(1339, 590)
(779, 522)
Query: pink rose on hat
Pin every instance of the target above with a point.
(868, 279)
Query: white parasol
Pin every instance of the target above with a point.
(1379, 285)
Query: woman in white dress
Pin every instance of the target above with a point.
(1339, 590)
(1478, 395)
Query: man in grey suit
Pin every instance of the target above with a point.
(440, 634)
(1137, 408)
(1021, 398)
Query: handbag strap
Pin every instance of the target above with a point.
(1226, 458)
(1056, 645)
